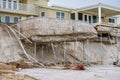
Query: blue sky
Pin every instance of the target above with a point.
(82, 3)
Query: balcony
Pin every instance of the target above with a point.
(105, 22)
(19, 8)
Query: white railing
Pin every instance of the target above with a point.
(18, 6)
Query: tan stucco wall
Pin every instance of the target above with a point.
(11, 17)
(38, 2)
(52, 13)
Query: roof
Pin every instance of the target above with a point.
(61, 8)
(64, 7)
(107, 10)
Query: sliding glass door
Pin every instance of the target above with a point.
(4, 4)
(10, 4)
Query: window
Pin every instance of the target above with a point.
(9, 4)
(7, 19)
(57, 14)
(80, 16)
(4, 4)
(42, 14)
(85, 17)
(15, 5)
(111, 20)
(102, 17)
(94, 19)
(15, 19)
(0, 18)
(89, 19)
(60, 15)
(72, 16)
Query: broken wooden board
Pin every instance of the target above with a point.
(76, 66)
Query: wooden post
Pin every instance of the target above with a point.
(42, 54)
(75, 50)
(117, 56)
(87, 58)
(35, 54)
(64, 53)
(101, 49)
(74, 53)
(76, 45)
(83, 50)
(53, 48)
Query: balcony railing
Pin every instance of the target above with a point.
(18, 7)
(105, 22)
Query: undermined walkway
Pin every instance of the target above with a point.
(58, 41)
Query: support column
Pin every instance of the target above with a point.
(99, 14)
(101, 43)
(76, 15)
(84, 58)
(64, 53)
(42, 54)
(35, 54)
(54, 52)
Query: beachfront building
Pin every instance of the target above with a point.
(11, 11)
(55, 11)
(99, 14)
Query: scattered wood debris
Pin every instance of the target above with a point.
(15, 77)
(8, 72)
(4, 66)
(77, 66)
(24, 64)
(116, 64)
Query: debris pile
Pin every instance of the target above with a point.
(4, 66)
(8, 72)
(75, 66)
(12, 76)
(78, 66)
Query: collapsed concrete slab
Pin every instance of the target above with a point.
(43, 30)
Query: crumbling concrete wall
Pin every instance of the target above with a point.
(87, 52)
(9, 47)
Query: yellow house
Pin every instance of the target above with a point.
(99, 14)
(55, 12)
(12, 11)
